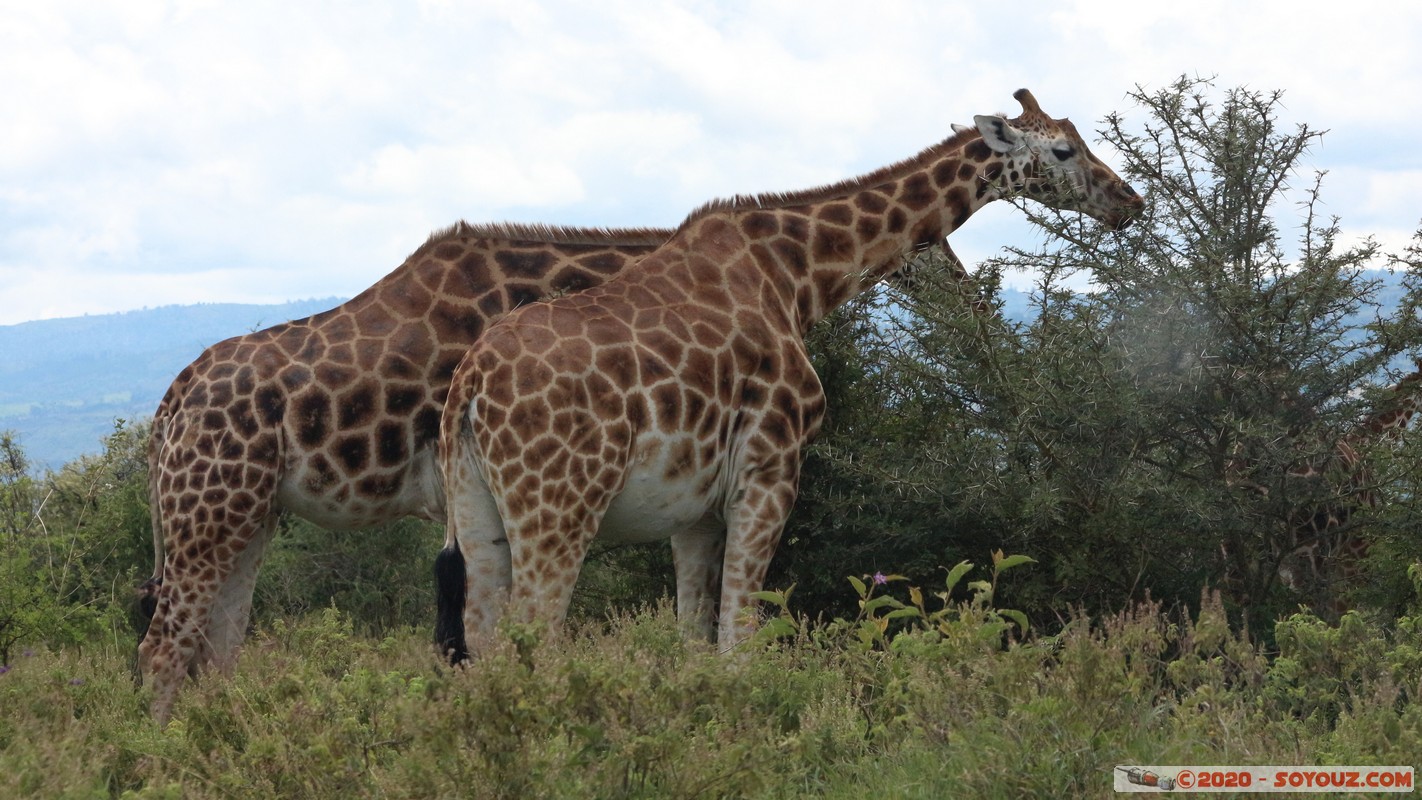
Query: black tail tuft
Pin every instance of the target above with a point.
(148, 597)
(449, 616)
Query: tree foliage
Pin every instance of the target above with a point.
(1144, 434)
(71, 542)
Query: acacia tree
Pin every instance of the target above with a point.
(1145, 434)
(1254, 339)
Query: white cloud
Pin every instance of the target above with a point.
(1342, 61)
(480, 175)
(200, 151)
(1393, 191)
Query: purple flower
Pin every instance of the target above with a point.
(4, 668)
(28, 653)
(76, 682)
(880, 579)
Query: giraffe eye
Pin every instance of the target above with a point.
(1064, 152)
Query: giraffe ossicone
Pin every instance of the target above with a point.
(333, 418)
(673, 400)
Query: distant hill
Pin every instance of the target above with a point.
(63, 382)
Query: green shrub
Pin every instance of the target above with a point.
(955, 700)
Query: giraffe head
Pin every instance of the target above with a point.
(1049, 162)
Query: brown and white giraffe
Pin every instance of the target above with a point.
(333, 418)
(1328, 549)
(673, 401)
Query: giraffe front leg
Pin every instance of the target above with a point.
(698, 553)
(754, 523)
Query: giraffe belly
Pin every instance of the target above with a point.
(652, 506)
(347, 501)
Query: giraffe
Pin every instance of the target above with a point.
(673, 400)
(1328, 549)
(333, 418)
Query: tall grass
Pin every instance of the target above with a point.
(950, 703)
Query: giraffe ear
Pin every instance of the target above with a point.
(957, 128)
(998, 133)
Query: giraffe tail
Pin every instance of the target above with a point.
(147, 593)
(449, 619)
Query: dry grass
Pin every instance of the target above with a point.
(628, 710)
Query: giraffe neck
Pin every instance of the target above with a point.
(1399, 409)
(896, 219)
(823, 247)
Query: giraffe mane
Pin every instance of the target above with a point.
(539, 232)
(831, 191)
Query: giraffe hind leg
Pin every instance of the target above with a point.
(200, 563)
(545, 561)
(232, 606)
(473, 571)
(174, 646)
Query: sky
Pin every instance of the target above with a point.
(154, 153)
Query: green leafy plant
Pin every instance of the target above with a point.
(882, 616)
